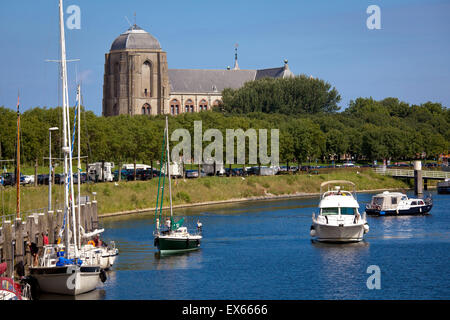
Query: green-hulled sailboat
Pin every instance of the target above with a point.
(171, 237)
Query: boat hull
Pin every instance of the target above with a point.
(443, 190)
(173, 245)
(422, 210)
(338, 234)
(67, 280)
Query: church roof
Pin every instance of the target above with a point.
(135, 38)
(215, 81)
(205, 81)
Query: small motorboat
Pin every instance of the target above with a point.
(443, 187)
(397, 203)
(339, 219)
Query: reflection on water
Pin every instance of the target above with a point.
(178, 261)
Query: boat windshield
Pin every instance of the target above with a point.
(378, 201)
(348, 211)
(330, 211)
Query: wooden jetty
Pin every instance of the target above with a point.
(15, 234)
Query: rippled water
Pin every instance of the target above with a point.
(262, 250)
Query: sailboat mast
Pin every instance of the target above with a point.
(79, 160)
(168, 166)
(18, 159)
(66, 149)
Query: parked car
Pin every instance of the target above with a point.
(9, 179)
(27, 179)
(43, 179)
(59, 178)
(83, 178)
(191, 174)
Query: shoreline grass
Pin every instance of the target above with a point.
(140, 195)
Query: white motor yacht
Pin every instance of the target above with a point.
(339, 219)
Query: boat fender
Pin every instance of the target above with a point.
(366, 228)
(103, 277)
(312, 232)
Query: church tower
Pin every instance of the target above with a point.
(136, 79)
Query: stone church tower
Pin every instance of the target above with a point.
(136, 77)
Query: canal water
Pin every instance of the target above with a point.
(263, 250)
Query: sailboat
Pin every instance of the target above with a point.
(104, 256)
(68, 276)
(171, 237)
(9, 289)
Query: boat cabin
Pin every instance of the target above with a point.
(389, 200)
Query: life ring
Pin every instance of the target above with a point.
(91, 243)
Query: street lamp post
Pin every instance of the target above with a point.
(50, 168)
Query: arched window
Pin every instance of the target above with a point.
(189, 106)
(216, 103)
(174, 107)
(203, 105)
(146, 79)
(146, 109)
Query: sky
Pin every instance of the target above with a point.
(408, 58)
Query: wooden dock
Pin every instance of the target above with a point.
(15, 233)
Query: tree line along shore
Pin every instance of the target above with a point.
(312, 126)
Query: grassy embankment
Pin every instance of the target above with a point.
(140, 195)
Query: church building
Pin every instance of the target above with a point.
(138, 81)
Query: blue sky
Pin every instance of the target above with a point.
(408, 58)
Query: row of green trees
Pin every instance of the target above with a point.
(310, 126)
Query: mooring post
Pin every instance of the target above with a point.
(83, 216)
(19, 252)
(59, 223)
(42, 226)
(51, 226)
(418, 181)
(94, 215)
(7, 246)
(88, 217)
